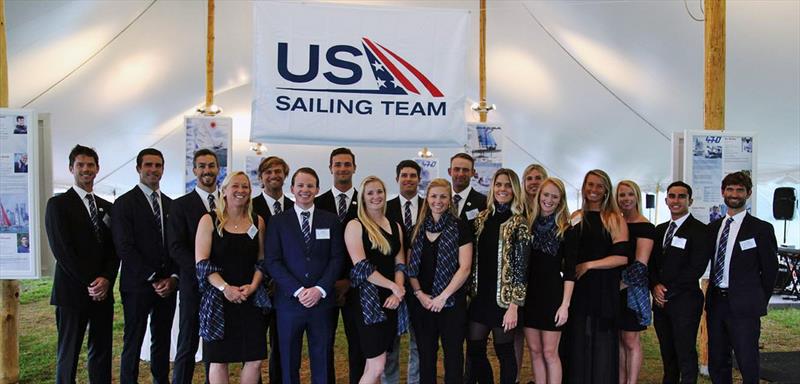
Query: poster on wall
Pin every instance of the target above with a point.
(708, 157)
(213, 133)
(485, 145)
(251, 168)
(358, 80)
(19, 230)
(429, 171)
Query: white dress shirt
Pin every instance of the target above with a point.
(464, 194)
(678, 224)
(204, 196)
(348, 200)
(414, 208)
(271, 202)
(82, 193)
(733, 231)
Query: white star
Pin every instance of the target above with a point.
(378, 66)
(381, 83)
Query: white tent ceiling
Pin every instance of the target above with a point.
(578, 84)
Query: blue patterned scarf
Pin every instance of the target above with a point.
(545, 235)
(446, 257)
(371, 307)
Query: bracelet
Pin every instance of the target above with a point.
(221, 288)
(417, 291)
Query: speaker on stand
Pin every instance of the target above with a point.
(783, 206)
(650, 203)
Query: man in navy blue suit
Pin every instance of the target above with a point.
(744, 264)
(304, 251)
(148, 277)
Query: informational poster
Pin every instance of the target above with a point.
(708, 157)
(429, 171)
(19, 230)
(213, 133)
(358, 75)
(251, 167)
(485, 145)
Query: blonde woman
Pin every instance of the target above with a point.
(532, 179)
(634, 296)
(551, 277)
(499, 278)
(601, 241)
(228, 246)
(375, 245)
(439, 263)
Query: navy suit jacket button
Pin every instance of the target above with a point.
(306, 275)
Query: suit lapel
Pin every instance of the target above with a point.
(75, 200)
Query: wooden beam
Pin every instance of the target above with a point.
(210, 56)
(9, 289)
(714, 65)
(482, 62)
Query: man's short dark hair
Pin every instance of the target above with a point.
(307, 171)
(204, 152)
(271, 161)
(462, 155)
(681, 184)
(407, 164)
(738, 178)
(341, 151)
(81, 150)
(148, 151)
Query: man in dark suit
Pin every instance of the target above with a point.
(342, 201)
(304, 251)
(468, 201)
(677, 261)
(184, 216)
(272, 171)
(744, 264)
(404, 209)
(77, 224)
(148, 276)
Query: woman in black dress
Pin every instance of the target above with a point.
(549, 294)
(499, 278)
(375, 245)
(641, 233)
(229, 244)
(600, 238)
(440, 259)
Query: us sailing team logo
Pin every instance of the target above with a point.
(393, 76)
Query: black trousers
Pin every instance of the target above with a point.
(351, 315)
(188, 331)
(449, 325)
(676, 327)
(136, 307)
(71, 323)
(726, 332)
(274, 353)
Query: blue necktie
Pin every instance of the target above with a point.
(93, 215)
(407, 217)
(306, 226)
(157, 213)
(719, 259)
(342, 207)
(277, 207)
(670, 233)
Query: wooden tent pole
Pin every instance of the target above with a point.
(714, 112)
(482, 62)
(210, 56)
(9, 289)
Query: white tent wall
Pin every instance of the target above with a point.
(578, 85)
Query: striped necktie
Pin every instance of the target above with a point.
(407, 216)
(93, 215)
(719, 259)
(276, 206)
(212, 205)
(157, 213)
(306, 226)
(670, 233)
(342, 207)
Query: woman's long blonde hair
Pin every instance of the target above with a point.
(562, 210)
(610, 214)
(518, 202)
(221, 211)
(377, 239)
(423, 214)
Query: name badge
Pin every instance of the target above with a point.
(575, 220)
(747, 244)
(252, 231)
(323, 234)
(472, 214)
(679, 242)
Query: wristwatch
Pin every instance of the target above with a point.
(222, 287)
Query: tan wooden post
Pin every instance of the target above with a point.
(210, 57)
(714, 113)
(482, 63)
(9, 289)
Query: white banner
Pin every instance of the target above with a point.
(351, 75)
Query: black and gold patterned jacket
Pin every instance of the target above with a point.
(512, 259)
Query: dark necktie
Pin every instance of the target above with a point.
(670, 233)
(719, 259)
(306, 226)
(157, 213)
(407, 216)
(212, 205)
(276, 206)
(456, 200)
(342, 207)
(93, 215)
